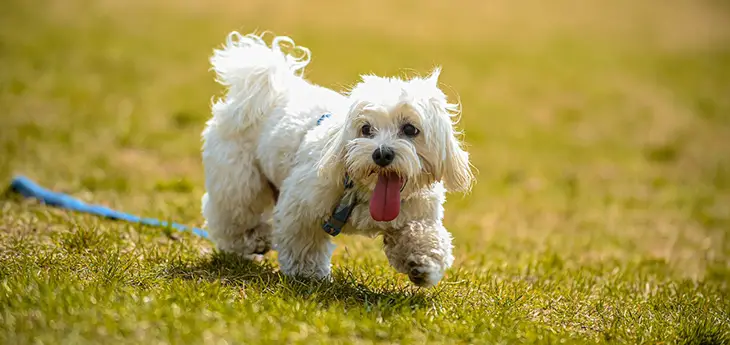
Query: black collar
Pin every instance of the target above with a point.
(333, 226)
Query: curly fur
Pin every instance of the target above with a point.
(266, 157)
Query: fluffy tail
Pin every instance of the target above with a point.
(257, 77)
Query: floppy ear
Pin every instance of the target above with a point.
(452, 162)
(453, 168)
(456, 172)
(332, 162)
(333, 154)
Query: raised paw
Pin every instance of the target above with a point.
(424, 271)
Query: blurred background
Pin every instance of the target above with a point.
(599, 129)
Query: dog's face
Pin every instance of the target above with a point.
(398, 137)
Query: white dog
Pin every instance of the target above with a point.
(377, 161)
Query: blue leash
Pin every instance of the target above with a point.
(29, 189)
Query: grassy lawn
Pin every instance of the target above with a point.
(600, 131)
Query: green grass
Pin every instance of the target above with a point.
(599, 129)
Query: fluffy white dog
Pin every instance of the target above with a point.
(376, 161)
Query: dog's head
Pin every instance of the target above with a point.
(398, 137)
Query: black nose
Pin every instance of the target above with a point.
(383, 156)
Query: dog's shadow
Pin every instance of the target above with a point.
(344, 288)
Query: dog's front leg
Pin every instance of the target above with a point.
(421, 249)
(304, 249)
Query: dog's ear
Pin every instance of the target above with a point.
(453, 167)
(333, 154)
(332, 162)
(455, 170)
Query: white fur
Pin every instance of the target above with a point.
(264, 134)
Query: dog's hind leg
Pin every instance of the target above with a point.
(238, 198)
(257, 76)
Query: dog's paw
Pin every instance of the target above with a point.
(249, 244)
(258, 239)
(424, 271)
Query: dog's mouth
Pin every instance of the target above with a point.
(385, 201)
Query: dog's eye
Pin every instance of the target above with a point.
(366, 130)
(410, 130)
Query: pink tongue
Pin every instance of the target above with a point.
(385, 202)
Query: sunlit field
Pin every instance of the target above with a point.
(599, 131)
